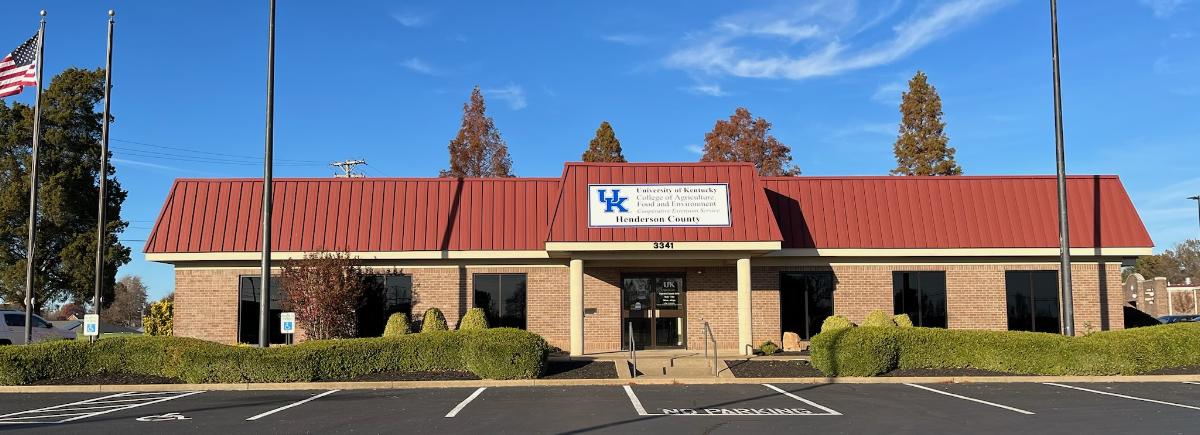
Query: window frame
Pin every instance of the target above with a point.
(277, 289)
(1031, 299)
(497, 320)
(922, 292)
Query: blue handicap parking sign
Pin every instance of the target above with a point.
(91, 328)
(287, 326)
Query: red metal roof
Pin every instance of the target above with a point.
(952, 212)
(443, 214)
(357, 215)
(751, 218)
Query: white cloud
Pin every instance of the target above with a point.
(1164, 8)
(889, 93)
(626, 39)
(832, 48)
(418, 66)
(159, 168)
(410, 19)
(513, 94)
(712, 90)
(694, 149)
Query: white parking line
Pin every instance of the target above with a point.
(463, 404)
(637, 404)
(971, 399)
(1190, 382)
(88, 408)
(310, 399)
(814, 404)
(1106, 393)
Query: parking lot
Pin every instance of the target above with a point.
(726, 408)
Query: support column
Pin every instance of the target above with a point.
(744, 303)
(576, 307)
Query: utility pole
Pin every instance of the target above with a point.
(264, 299)
(1064, 239)
(347, 167)
(101, 224)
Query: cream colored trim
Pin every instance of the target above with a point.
(960, 252)
(394, 255)
(209, 266)
(675, 246)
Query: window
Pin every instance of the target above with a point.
(383, 295)
(248, 292)
(1032, 300)
(921, 295)
(502, 298)
(18, 321)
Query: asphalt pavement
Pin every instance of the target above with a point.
(1094, 408)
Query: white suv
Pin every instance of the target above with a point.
(12, 328)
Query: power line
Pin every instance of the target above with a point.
(190, 150)
(199, 159)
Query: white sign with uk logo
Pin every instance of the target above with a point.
(287, 323)
(658, 205)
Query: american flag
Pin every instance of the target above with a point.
(19, 68)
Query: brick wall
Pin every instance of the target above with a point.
(206, 303)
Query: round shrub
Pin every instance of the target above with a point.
(768, 348)
(474, 320)
(433, 320)
(505, 353)
(903, 321)
(864, 351)
(878, 319)
(397, 325)
(833, 323)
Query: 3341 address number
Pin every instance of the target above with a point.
(664, 245)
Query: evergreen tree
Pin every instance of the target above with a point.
(604, 147)
(478, 150)
(745, 139)
(64, 267)
(921, 147)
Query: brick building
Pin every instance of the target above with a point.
(657, 249)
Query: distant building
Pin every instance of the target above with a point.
(662, 248)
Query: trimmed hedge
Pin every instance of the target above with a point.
(878, 318)
(474, 320)
(868, 351)
(833, 323)
(502, 353)
(433, 320)
(902, 320)
(397, 325)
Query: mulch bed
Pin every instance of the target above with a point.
(1185, 370)
(108, 379)
(415, 376)
(580, 370)
(772, 369)
(946, 372)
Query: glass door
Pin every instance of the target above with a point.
(654, 306)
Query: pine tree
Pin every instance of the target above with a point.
(745, 139)
(604, 147)
(478, 150)
(69, 166)
(921, 147)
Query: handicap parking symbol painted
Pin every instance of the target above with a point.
(170, 416)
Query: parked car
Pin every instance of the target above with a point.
(12, 329)
(1179, 318)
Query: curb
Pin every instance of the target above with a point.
(585, 382)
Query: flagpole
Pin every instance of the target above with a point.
(102, 209)
(264, 305)
(1064, 236)
(31, 248)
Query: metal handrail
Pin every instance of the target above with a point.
(709, 336)
(632, 351)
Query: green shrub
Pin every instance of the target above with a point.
(902, 320)
(832, 323)
(870, 351)
(505, 353)
(501, 353)
(768, 348)
(862, 351)
(473, 320)
(433, 320)
(397, 325)
(161, 319)
(879, 319)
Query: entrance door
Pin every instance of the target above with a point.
(805, 300)
(654, 306)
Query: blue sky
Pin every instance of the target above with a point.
(385, 81)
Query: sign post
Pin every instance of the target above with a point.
(287, 325)
(91, 325)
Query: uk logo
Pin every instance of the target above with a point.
(616, 201)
